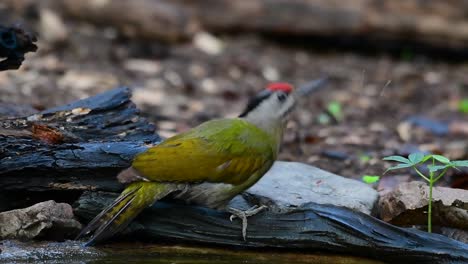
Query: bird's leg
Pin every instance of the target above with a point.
(242, 215)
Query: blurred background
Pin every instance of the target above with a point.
(397, 68)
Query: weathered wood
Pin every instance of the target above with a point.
(312, 227)
(14, 43)
(78, 146)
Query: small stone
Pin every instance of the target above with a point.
(46, 219)
(404, 131)
(197, 71)
(208, 43)
(334, 154)
(209, 86)
(432, 77)
(147, 67)
(81, 111)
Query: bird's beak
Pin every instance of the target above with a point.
(310, 87)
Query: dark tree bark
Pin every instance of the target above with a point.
(76, 147)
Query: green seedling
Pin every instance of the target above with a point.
(333, 112)
(335, 109)
(436, 165)
(463, 106)
(370, 179)
(364, 158)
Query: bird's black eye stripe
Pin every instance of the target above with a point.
(255, 101)
(282, 96)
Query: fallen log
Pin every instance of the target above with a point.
(439, 23)
(143, 18)
(76, 147)
(311, 227)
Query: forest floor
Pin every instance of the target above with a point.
(179, 86)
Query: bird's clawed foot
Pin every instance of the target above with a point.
(243, 216)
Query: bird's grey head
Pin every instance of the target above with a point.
(271, 105)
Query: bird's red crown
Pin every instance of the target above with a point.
(285, 87)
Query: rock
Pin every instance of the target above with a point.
(436, 127)
(208, 43)
(407, 205)
(47, 220)
(292, 184)
(334, 154)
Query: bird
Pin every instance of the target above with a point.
(207, 165)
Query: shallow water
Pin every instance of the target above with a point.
(72, 252)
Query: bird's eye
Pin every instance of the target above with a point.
(282, 97)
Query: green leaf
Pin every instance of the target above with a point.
(398, 158)
(463, 106)
(334, 108)
(416, 158)
(460, 163)
(437, 167)
(441, 159)
(370, 178)
(399, 166)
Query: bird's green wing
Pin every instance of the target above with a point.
(224, 150)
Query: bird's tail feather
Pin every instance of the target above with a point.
(136, 197)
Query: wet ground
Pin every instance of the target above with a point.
(74, 252)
